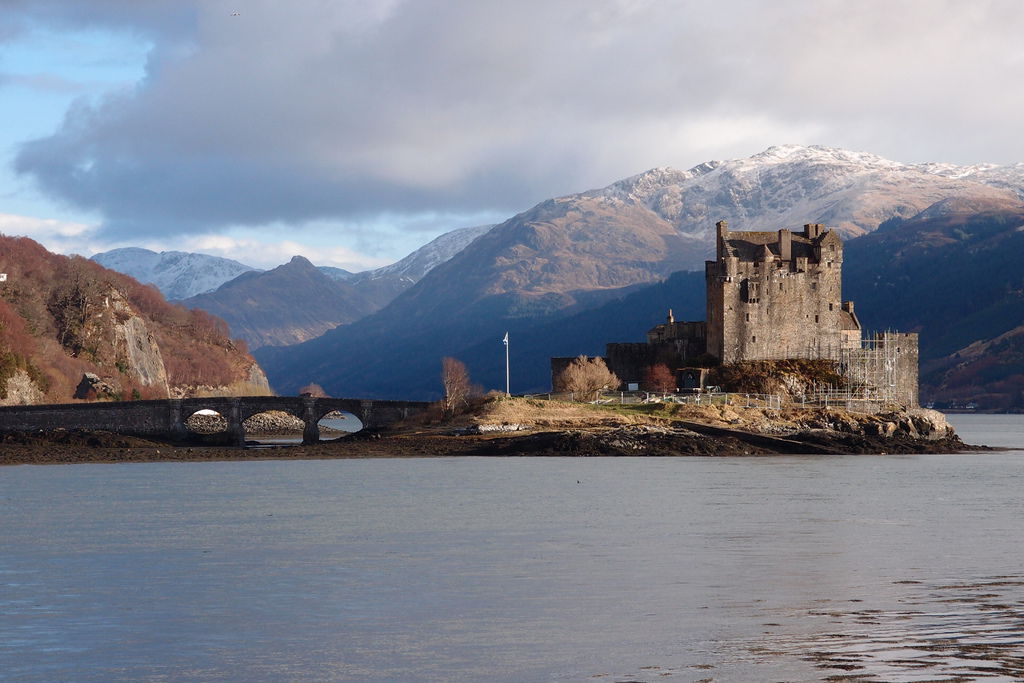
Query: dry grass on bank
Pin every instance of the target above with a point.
(541, 415)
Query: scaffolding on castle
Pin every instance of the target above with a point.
(870, 370)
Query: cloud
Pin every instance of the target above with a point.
(260, 249)
(43, 82)
(269, 254)
(41, 227)
(63, 236)
(325, 110)
(166, 19)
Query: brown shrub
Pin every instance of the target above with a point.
(584, 377)
(314, 390)
(659, 378)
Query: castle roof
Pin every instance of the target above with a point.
(760, 245)
(848, 321)
(749, 246)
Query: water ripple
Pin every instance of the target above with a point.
(953, 632)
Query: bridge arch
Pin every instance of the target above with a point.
(205, 421)
(336, 424)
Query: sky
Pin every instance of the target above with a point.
(354, 131)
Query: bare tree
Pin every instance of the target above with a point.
(456, 384)
(70, 304)
(585, 376)
(659, 378)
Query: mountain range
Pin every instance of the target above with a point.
(574, 272)
(790, 185)
(288, 304)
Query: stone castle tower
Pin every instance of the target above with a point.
(774, 295)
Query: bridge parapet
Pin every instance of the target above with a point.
(165, 418)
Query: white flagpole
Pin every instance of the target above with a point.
(507, 392)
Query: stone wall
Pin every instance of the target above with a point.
(136, 418)
(907, 366)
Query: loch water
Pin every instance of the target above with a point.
(783, 568)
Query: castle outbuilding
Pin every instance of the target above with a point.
(773, 296)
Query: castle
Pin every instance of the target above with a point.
(773, 296)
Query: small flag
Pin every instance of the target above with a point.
(505, 340)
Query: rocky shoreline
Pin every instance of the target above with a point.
(646, 440)
(507, 427)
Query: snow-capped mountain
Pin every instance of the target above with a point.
(413, 267)
(177, 274)
(336, 273)
(789, 185)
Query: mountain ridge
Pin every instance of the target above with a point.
(285, 305)
(178, 274)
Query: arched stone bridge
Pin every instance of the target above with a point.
(165, 418)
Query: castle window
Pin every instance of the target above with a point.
(815, 318)
(748, 317)
(753, 338)
(814, 285)
(780, 286)
(753, 291)
(830, 307)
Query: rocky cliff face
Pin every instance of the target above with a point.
(134, 345)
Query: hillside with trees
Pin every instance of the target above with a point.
(63, 317)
